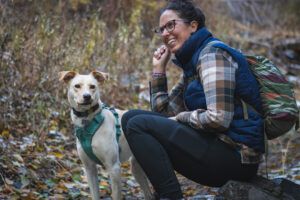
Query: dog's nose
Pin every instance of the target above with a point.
(87, 97)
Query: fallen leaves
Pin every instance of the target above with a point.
(55, 172)
(5, 133)
(57, 155)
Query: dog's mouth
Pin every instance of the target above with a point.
(85, 103)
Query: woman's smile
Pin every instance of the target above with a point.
(170, 42)
(174, 39)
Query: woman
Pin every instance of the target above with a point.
(199, 129)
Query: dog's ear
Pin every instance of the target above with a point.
(66, 76)
(100, 76)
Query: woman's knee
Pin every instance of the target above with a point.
(127, 116)
(135, 124)
(132, 113)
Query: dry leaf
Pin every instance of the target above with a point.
(5, 133)
(297, 177)
(104, 183)
(57, 155)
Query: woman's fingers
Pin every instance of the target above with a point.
(164, 52)
(160, 58)
(159, 52)
(173, 118)
(162, 49)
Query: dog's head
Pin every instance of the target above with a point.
(83, 90)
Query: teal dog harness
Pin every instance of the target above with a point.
(85, 134)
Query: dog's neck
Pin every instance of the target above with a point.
(87, 112)
(82, 118)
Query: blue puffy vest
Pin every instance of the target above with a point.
(248, 132)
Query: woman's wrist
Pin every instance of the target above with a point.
(159, 70)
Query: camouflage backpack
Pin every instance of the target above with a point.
(281, 113)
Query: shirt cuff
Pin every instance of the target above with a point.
(159, 83)
(184, 117)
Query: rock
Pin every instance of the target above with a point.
(259, 188)
(288, 187)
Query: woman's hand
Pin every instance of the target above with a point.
(160, 59)
(173, 118)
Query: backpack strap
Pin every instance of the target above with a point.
(245, 106)
(213, 43)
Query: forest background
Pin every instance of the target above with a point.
(39, 38)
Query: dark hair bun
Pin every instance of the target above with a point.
(201, 17)
(186, 10)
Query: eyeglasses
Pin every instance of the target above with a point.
(169, 26)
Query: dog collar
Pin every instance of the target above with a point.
(87, 112)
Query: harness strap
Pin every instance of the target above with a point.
(85, 134)
(118, 126)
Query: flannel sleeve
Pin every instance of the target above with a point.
(216, 70)
(163, 102)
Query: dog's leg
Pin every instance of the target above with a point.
(92, 178)
(91, 172)
(114, 172)
(141, 178)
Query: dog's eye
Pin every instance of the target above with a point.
(92, 87)
(77, 86)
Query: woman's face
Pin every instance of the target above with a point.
(182, 31)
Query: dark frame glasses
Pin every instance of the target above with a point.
(169, 26)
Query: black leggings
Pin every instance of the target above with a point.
(162, 145)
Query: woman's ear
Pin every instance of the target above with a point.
(194, 25)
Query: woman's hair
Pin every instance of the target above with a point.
(186, 10)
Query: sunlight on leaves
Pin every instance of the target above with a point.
(57, 155)
(5, 133)
(104, 183)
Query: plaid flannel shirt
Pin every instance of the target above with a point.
(216, 70)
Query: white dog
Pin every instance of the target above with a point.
(84, 99)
